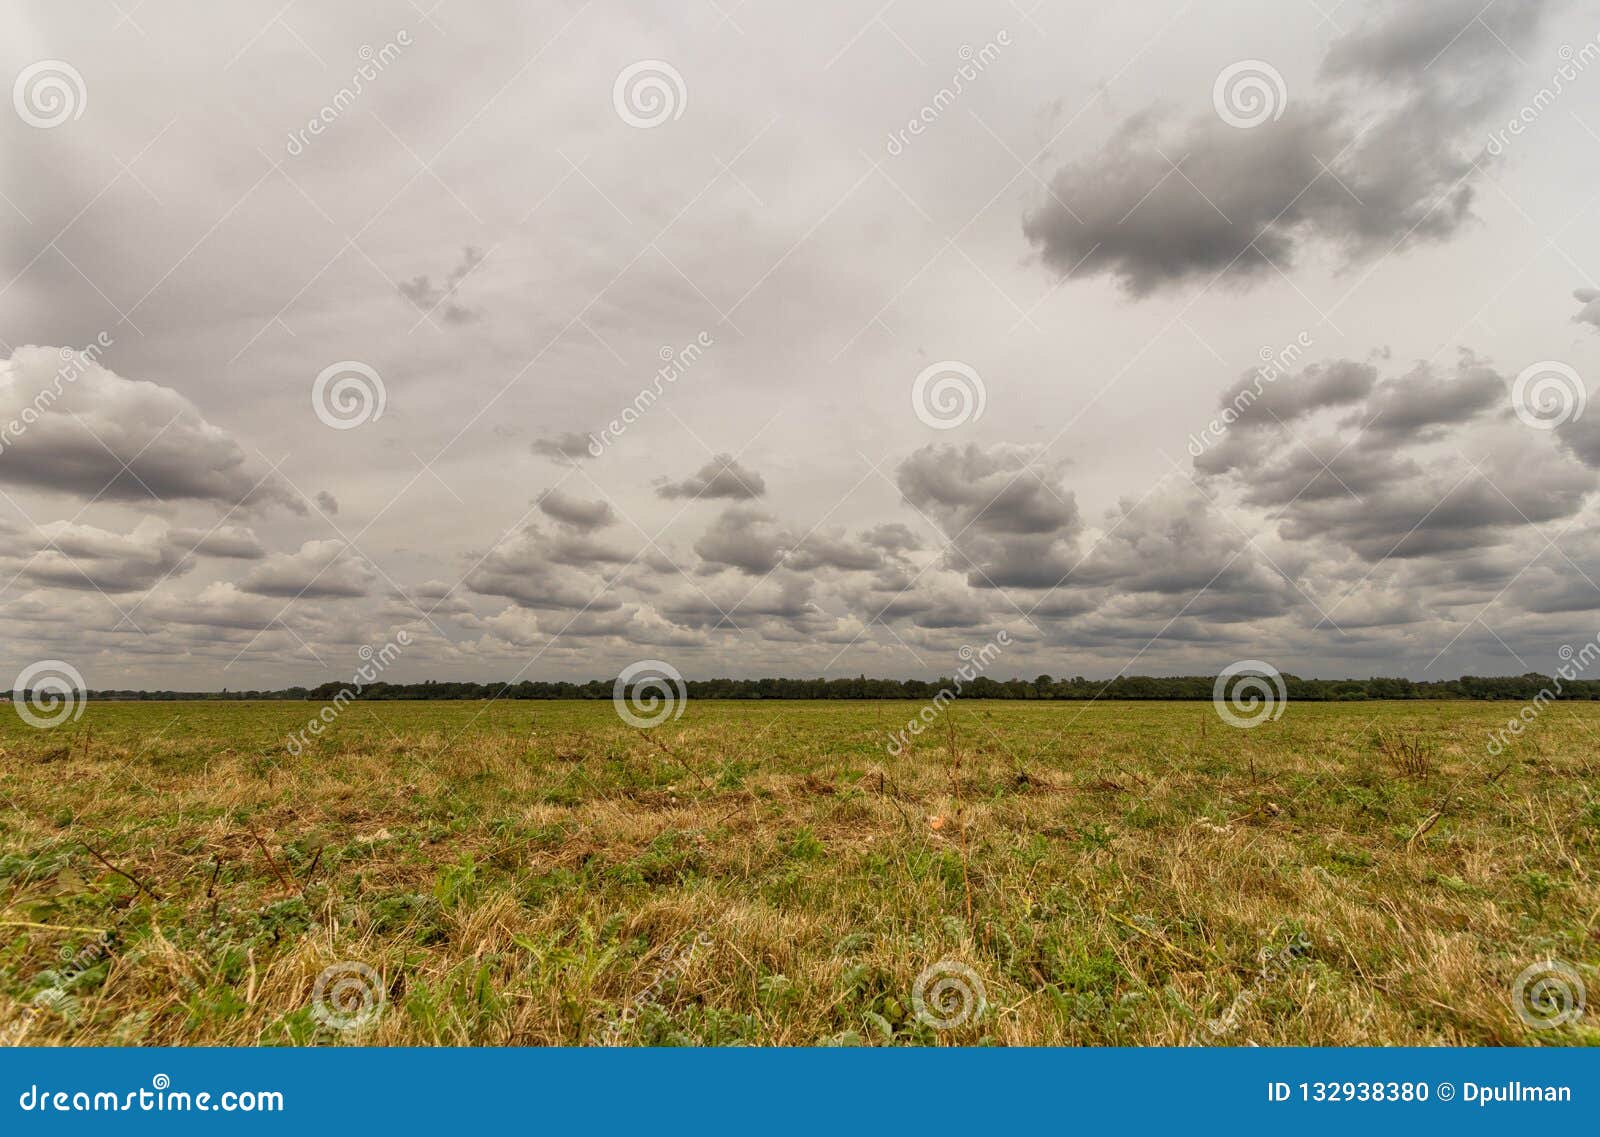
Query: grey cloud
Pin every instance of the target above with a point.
(1414, 38)
(1179, 545)
(327, 503)
(1242, 201)
(576, 513)
(1441, 511)
(1581, 437)
(892, 537)
(218, 605)
(1381, 492)
(234, 542)
(433, 599)
(722, 477)
(1256, 409)
(524, 569)
(1590, 312)
(744, 538)
(1009, 523)
(428, 297)
(820, 550)
(580, 550)
(66, 555)
(567, 447)
(1424, 402)
(121, 439)
(936, 608)
(320, 570)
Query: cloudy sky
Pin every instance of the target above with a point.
(773, 339)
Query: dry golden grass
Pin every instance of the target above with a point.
(541, 874)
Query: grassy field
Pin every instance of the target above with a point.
(540, 873)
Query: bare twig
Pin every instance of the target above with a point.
(141, 885)
(283, 880)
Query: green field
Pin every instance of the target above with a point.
(540, 873)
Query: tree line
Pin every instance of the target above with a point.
(1178, 687)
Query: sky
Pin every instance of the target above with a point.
(536, 340)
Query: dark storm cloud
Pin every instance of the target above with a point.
(1161, 204)
(1009, 522)
(121, 439)
(722, 477)
(429, 298)
(576, 513)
